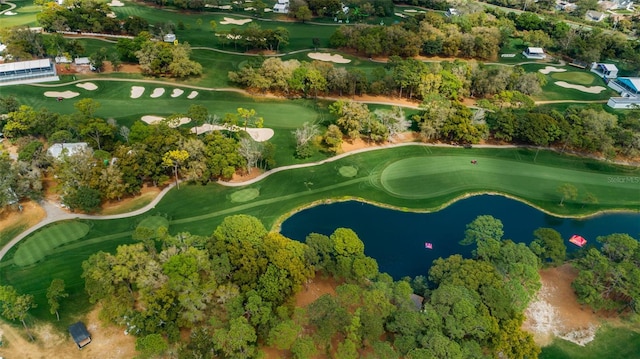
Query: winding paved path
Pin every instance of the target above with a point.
(55, 213)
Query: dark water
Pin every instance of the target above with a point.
(396, 239)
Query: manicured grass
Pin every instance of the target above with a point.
(25, 14)
(244, 195)
(154, 222)
(46, 240)
(580, 78)
(610, 343)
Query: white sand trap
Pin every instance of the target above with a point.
(249, 8)
(89, 86)
(65, 94)
(258, 134)
(549, 69)
(400, 15)
(268, 10)
(136, 91)
(10, 13)
(157, 92)
(411, 10)
(115, 3)
(176, 92)
(112, 15)
(231, 21)
(192, 95)
(590, 89)
(224, 7)
(150, 119)
(338, 59)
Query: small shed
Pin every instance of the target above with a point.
(169, 38)
(609, 71)
(534, 53)
(82, 61)
(80, 334)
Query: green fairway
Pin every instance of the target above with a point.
(42, 243)
(154, 222)
(580, 78)
(25, 14)
(609, 343)
(379, 178)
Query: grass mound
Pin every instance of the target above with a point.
(580, 78)
(244, 195)
(348, 171)
(43, 242)
(154, 222)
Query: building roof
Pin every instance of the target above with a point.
(535, 50)
(631, 82)
(25, 65)
(56, 150)
(82, 61)
(608, 67)
(80, 334)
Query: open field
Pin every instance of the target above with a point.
(609, 343)
(553, 92)
(447, 171)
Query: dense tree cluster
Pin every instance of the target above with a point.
(609, 276)
(409, 78)
(253, 37)
(584, 129)
(87, 16)
(233, 290)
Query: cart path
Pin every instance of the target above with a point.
(55, 213)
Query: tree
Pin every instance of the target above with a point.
(238, 341)
(332, 138)
(303, 14)
(54, 293)
(483, 228)
(151, 345)
(97, 129)
(251, 151)
(394, 120)
(14, 306)
(87, 107)
(567, 192)
(304, 136)
(175, 159)
(549, 246)
(249, 118)
(351, 116)
(85, 198)
(213, 25)
(198, 115)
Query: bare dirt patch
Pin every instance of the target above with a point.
(147, 194)
(556, 312)
(244, 176)
(315, 289)
(31, 214)
(108, 342)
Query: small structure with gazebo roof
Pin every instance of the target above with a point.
(80, 334)
(535, 53)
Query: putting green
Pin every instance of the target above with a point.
(42, 243)
(244, 195)
(154, 222)
(579, 78)
(348, 171)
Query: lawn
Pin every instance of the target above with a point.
(610, 343)
(553, 92)
(378, 177)
(25, 14)
(580, 78)
(44, 242)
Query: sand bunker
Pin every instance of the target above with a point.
(411, 10)
(10, 13)
(115, 3)
(338, 59)
(590, 89)
(157, 92)
(230, 21)
(549, 69)
(258, 134)
(89, 86)
(136, 91)
(112, 15)
(156, 119)
(176, 92)
(400, 15)
(192, 95)
(65, 94)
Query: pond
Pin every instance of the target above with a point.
(396, 239)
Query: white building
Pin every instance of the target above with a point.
(31, 71)
(596, 16)
(451, 12)
(169, 38)
(536, 53)
(609, 71)
(281, 7)
(629, 89)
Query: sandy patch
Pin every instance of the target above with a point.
(150, 119)
(157, 92)
(400, 15)
(136, 91)
(10, 13)
(176, 92)
(108, 341)
(411, 10)
(556, 312)
(549, 69)
(338, 59)
(258, 134)
(192, 95)
(112, 15)
(231, 21)
(249, 8)
(115, 3)
(89, 86)
(65, 94)
(590, 89)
